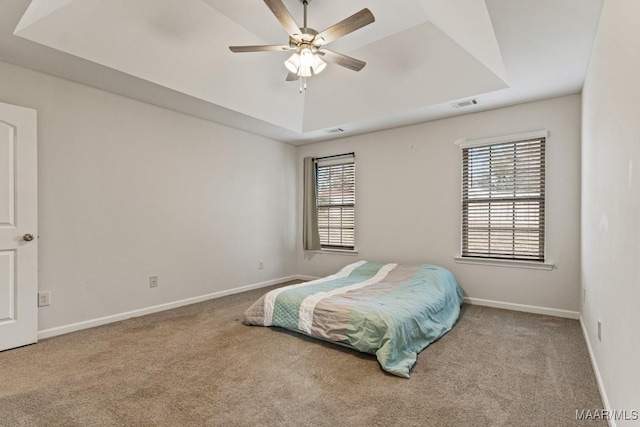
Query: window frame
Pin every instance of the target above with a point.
(327, 162)
(504, 260)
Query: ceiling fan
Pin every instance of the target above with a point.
(310, 54)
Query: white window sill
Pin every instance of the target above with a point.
(335, 252)
(505, 263)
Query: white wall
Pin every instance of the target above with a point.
(408, 200)
(128, 190)
(611, 203)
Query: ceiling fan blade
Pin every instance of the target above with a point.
(264, 48)
(292, 77)
(344, 27)
(286, 20)
(342, 60)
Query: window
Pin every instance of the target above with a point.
(503, 198)
(335, 201)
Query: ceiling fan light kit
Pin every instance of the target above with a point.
(310, 56)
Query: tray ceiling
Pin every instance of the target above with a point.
(421, 56)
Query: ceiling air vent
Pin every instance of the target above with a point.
(334, 130)
(465, 103)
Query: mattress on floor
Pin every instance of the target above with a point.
(391, 310)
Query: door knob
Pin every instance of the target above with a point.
(28, 237)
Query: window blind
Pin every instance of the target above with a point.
(503, 200)
(335, 185)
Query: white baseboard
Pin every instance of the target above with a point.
(568, 314)
(60, 330)
(596, 371)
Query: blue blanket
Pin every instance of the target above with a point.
(390, 310)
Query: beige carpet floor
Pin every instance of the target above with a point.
(200, 366)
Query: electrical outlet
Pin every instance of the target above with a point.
(600, 330)
(44, 299)
(260, 265)
(153, 281)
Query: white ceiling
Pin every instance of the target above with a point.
(421, 56)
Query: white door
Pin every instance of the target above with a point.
(18, 224)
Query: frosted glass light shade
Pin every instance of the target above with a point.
(293, 63)
(318, 65)
(304, 71)
(306, 57)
